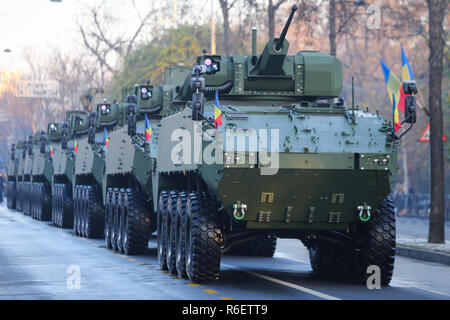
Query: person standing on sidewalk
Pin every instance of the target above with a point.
(2, 186)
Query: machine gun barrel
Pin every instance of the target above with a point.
(280, 40)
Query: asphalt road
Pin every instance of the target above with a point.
(39, 261)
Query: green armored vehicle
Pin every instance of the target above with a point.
(40, 196)
(63, 160)
(13, 175)
(89, 220)
(267, 148)
(25, 169)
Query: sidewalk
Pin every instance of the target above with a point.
(412, 241)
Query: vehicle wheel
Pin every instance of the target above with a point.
(26, 199)
(109, 209)
(162, 229)
(32, 201)
(54, 204)
(95, 218)
(19, 196)
(172, 227)
(115, 219)
(264, 247)
(67, 208)
(46, 202)
(120, 220)
(83, 207)
(11, 195)
(180, 237)
(136, 228)
(76, 205)
(379, 243)
(204, 240)
(34, 207)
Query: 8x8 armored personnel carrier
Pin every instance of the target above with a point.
(267, 148)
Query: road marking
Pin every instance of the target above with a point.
(433, 291)
(122, 256)
(193, 284)
(210, 291)
(143, 263)
(132, 260)
(226, 298)
(288, 284)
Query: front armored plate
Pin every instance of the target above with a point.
(179, 144)
(38, 162)
(84, 158)
(59, 161)
(120, 153)
(28, 165)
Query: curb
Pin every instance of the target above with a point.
(424, 255)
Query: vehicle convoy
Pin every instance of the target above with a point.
(13, 174)
(231, 155)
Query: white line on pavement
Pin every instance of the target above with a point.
(287, 284)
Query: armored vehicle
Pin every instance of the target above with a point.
(26, 168)
(13, 174)
(63, 160)
(267, 148)
(89, 220)
(40, 196)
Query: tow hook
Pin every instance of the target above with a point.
(239, 210)
(364, 212)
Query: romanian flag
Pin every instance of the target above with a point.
(393, 86)
(397, 122)
(407, 73)
(51, 151)
(148, 130)
(217, 112)
(75, 146)
(105, 137)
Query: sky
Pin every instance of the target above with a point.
(40, 25)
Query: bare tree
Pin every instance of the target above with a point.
(437, 9)
(105, 42)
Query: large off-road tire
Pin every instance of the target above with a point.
(204, 240)
(136, 227)
(119, 226)
(19, 196)
(33, 202)
(324, 257)
(94, 213)
(54, 204)
(46, 202)
(76, 211)
(109, 211)
(11, 195)
(172, 227)
(379, 243)
(162, 229)
(66, 219)
(115, 219)
(180, 238)
(26, 204)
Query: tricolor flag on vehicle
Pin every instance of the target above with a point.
(393, 85)
(217, 112)
(148, 130)
(75, 146)
(397, 122)
(51, 151)
(407, 73)
(105, 136)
